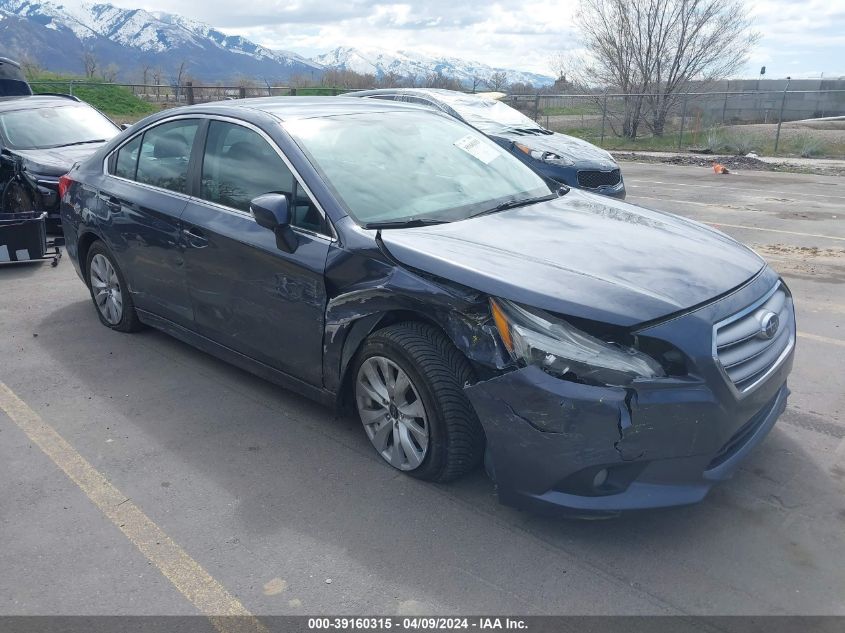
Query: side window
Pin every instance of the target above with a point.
(164, 155)
(239, 165)
(127, 159)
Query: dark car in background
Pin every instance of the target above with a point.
(596, 356)
(41, 137)
(566, 159)
(13, 83)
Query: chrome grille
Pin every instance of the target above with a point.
(742, 347)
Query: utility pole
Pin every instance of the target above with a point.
(780, 117)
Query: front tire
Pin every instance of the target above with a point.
(109, 290)
(408, 384)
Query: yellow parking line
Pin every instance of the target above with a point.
(822, 339)
(187, 575)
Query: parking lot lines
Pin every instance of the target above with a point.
(770, 192)
(760, 228)
(739, 226)
(186, 575)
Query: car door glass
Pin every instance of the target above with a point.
(239, 165)
(165, 152)
(127, 159)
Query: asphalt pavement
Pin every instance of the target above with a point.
(287, 509)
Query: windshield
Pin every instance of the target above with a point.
(42, 128)
(490, 116)
(404, 165)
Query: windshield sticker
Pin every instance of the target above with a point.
(474, 147)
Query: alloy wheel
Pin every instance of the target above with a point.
(105, 287)
(392, 412)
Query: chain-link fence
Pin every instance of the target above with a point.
(184, 94)
(766, 122)
(799, 122)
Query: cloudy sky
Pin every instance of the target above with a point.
(801, 39)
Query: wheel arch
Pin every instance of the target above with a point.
(83, 245)
(363, 327)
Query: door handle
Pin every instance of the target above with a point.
(195, 238)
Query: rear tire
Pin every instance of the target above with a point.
(436, 372)
(109, 291)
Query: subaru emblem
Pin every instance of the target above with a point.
(769, 324)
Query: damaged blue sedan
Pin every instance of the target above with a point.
(594, 355)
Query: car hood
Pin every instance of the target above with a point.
(584, 256)
(575, 149)
(56, 161)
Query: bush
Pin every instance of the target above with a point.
(715, 140)
(807, 145)
(741, 143)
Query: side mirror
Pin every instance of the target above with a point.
(125, 126)
(272, 211)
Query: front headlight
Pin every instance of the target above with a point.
(534, 337)
(546, 157)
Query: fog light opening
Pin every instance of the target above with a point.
(600, 478)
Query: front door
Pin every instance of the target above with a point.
(247, 294)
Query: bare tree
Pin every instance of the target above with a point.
(145, 73)
(560, 63)
(436, 79)
(336, 78)
(180, 73)
(390, 79)
(109, 73)
(89, 60)
(29, 65)
(498, 81)
(521, 88)
(659, 47)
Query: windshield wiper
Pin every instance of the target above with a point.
(96, 140)
(404, 224)
(520, 202)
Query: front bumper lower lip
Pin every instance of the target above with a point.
(670, 460)
(613, 191)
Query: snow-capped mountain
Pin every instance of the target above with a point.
(58, 37)
(410, 64)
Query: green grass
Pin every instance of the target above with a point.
(115, 101)
(319, 91)
(575, 109)
(728, 143)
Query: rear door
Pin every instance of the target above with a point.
(247, 294)
(141, 204)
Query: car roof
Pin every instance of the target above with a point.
(36, 101)
(289, 108)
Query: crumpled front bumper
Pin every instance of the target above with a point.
(663, 443)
